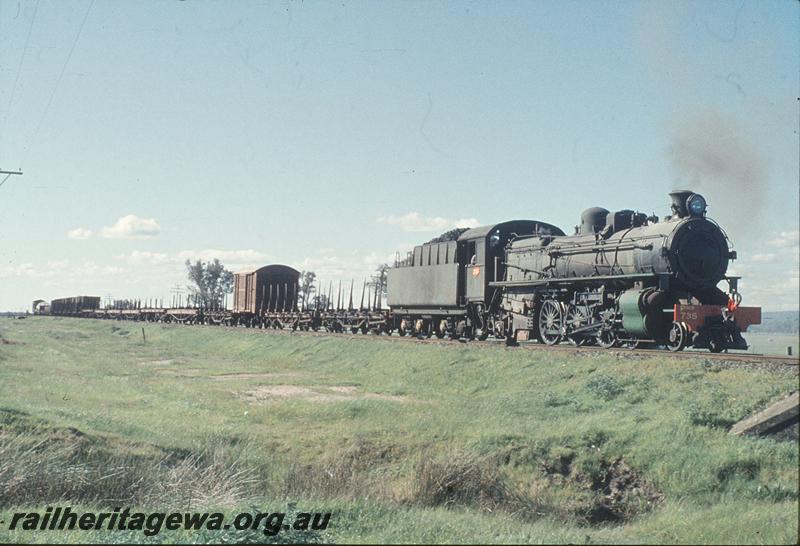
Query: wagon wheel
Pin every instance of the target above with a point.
(678, 337)
(632, 343)
(716, 344)
(427, 329)
(606, 338)
(402, 330)
(577, 317)
(499, 329)
(441, 329)
(551, 322)
(481, 333)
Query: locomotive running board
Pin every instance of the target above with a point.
(569, 280)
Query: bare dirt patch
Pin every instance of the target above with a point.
(195, 373)
(348, 390)
(274, 393)
(243, 375)
(166, 362)
(182, 372)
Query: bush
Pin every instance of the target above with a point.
(605, 387)
(458, 478)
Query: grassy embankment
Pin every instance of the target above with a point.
(404, 442)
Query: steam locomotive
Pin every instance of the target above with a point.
(622, 278)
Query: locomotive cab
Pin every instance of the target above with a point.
(451, 275)
(481, 255)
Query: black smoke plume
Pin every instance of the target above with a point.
(710, 153)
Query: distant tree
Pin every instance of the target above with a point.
(378, 279)
(451, 235)
(318, 302)
(210, 281)
(307, 280)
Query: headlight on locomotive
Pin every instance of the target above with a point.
(696, 205)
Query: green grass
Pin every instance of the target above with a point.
(405, 442)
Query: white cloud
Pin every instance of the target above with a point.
(232, 259)
(779, 293)
(79, 233)
(354, 266)
(132, 227)
(87, 268)
(786, 239)
(59, 270)
(327, 267)
(413, 221)
(139, 257)
(20, 270)
(228, 257)
(763, 258)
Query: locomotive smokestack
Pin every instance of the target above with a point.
(678, 206)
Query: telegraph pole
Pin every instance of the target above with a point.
(8, 175)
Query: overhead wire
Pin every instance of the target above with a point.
(19, 71)
(58, 81)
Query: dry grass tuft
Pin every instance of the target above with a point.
(458, 478)
(42, 466)
(354, 471)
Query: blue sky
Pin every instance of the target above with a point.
(328, 135)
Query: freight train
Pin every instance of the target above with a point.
(622, 278)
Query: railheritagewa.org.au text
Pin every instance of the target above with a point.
(152, 523)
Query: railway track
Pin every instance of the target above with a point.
(739, 357)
